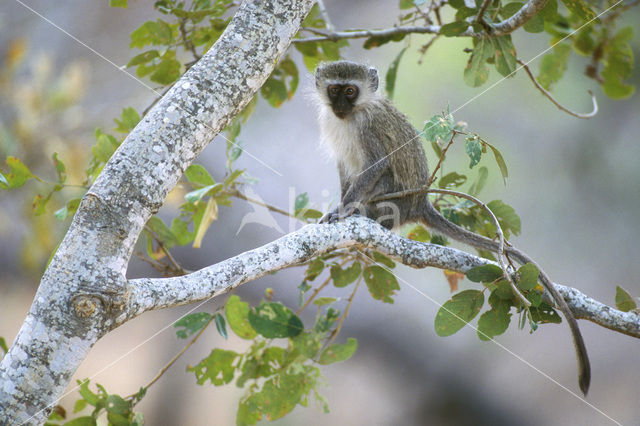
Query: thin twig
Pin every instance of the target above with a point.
(335, 332)
(425, 47)
(174, 359)
(317, 290)
(187, 41)
(442, 154)
(240, 195)
(178, 268)
(325, 15)
(556, 103)
(314, 294)
(480, 16)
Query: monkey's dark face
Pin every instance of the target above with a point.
(343, 98)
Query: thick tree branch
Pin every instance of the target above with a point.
(84, 288)
(313, 240)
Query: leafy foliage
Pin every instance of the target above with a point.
(118, 410)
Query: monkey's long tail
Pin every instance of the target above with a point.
(436, 221)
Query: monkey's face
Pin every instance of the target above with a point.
(343, 98)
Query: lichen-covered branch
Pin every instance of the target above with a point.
(313, 240)
(84, 288)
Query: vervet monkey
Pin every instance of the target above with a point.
(379, 152)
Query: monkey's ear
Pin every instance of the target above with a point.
(372, 75)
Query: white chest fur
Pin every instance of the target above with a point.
(339, 137)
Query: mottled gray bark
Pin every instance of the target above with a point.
(84, 288)
(312, 240)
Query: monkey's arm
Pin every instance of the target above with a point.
(358, 190)
(344, 180)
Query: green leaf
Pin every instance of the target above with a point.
(439, 127)
(129, 119)
(504, 55)
(308, 344)
(168, 70)
(506, 215)
(476, 72)
(457, 311)
(273, 320)
(191, 324)
(485, 273)
(18, 174)
(61, 170)
(143, 58)
(392, 73)
(338, 352)
(454, 28)
(553, 65)
(624, 301)
(315, 268)
(583, 43)
(452, 179)
(152, 32)
(473, 148)
(278, 396)
(180, 231)
(502, 290)
(217, 367)
(534, 297)
(79, 405)
(301, 201)
(580, 8)
(196, 173)
(274, 91)
(237, 313)
(344, 277)
(544, 314)
(381, 258)
(162, 232)
(221, 325)
(419, 233)
(199, 194)
(118, 3)
(483, 173)
(381, 283)
(82, 421)
(117, 405)
(377, 41)
(618, 65)
(493, 323)
(40, 204)
(323, 301)
(502, 165)
(229, 180)
(310, 214)
(68, 210)
(528, 277)
(84, 391)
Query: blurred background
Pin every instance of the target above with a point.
(575, 184)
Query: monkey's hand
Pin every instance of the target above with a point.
(338, 214)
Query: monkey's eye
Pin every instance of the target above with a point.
(333, 90)
(351, 92)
